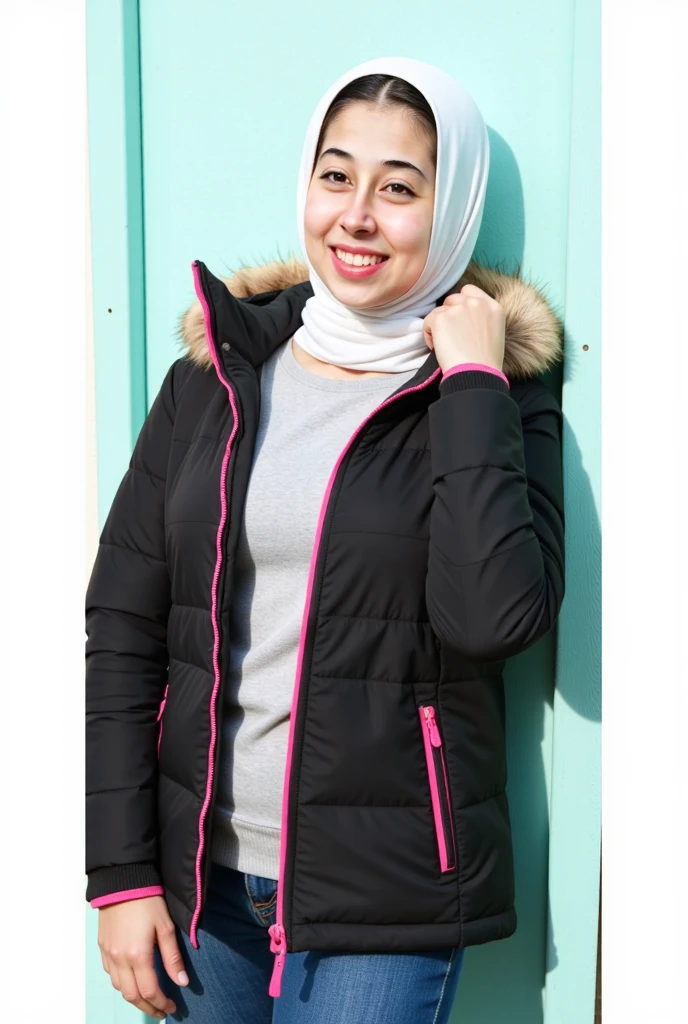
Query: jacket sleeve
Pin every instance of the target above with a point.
(127, 607)
(495, 580)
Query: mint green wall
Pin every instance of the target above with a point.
(574, 854)
(206, 168)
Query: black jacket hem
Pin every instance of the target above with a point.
(400, 938)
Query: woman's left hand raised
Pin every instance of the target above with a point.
(469, 327)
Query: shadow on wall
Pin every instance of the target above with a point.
(503, 981)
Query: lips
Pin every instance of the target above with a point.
(352, 272)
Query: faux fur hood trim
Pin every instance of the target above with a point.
(534, 331)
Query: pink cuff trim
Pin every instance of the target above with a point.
(474, 366)
(127, 894)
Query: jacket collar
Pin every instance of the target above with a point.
(258, 308)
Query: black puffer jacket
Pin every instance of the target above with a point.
(439, 553)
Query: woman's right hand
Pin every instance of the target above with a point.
(127, 935)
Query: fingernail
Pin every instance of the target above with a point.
(183, 978)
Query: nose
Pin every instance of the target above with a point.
(358, 217)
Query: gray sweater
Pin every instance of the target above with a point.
(305, 422)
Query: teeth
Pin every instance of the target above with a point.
(357, 260)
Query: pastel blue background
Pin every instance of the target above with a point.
(196, 119)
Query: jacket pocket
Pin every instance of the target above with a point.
(160, 714)
(439, 788)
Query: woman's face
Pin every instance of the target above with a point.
(372, 192)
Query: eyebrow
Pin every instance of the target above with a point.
(401, 164)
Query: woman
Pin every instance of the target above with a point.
(282, 685)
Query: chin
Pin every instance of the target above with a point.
(354, 297)
(354, 294)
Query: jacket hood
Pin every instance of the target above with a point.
(534, 331)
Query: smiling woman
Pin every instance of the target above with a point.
(306, 589)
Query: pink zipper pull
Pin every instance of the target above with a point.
(278, 946)
(435, 737)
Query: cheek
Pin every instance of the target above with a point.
(318, 215)
(409, 233)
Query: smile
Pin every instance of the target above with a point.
(351, 266)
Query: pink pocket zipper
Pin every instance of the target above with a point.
(439, 788)
(160, 714)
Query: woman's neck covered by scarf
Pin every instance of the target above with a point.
(389, 338)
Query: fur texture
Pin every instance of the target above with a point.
(534, 332)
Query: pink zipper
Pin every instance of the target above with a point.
(163, 702)
(193, 932)
(439, 788)
(278, 943)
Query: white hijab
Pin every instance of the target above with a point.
(390, 338)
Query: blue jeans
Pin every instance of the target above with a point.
(230, 971)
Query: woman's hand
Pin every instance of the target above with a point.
(469, 327)
(127, 934)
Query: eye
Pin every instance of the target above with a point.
(398, 184)
(328, 173)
